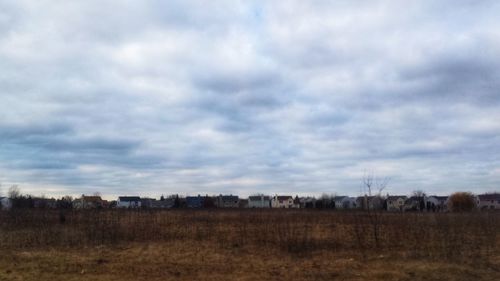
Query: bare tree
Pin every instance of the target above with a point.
(372, 184)
(419, 193)
(14, 192)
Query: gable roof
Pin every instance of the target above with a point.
(284, 197)
(91, 198)
(492, 196)
(228, 197)
(440, 198)
(258, 198)
(396, 197)
(129, 198)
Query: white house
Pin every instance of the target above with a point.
(437, 203)
(344, 202)
(489, 201)
(282, 202)
(307, 202)
(259, 201)
(5, 203)
(128, 202)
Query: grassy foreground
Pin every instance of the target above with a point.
(248, 245)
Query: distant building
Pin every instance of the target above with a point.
(243, 203)
(370, 202)
(128, 202)
(5, 203)
(259, 201)
(44, 203)
(344, 202)
(395, 203)
(147, 202)
(226, 201)
(89, 202)
(415, 203)
(166, 203)
(437, 203)
(489, 201)
(209, 202)
(282, 202)
(325, 202)
(307, 202)
(195, 201)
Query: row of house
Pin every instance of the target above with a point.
(29, 202)
(388, 202)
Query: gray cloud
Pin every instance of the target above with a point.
(303, 97)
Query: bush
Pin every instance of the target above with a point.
(461, 202)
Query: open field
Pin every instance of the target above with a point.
(248, 245)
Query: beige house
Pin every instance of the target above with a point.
(88, 202)
(282, 202)
(395, 203)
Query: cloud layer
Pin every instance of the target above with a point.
(302, 97)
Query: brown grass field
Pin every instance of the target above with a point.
(247, 245)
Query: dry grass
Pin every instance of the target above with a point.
(248, 245)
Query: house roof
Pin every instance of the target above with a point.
(165, 203)
(414, 199)
(283, 198)
(440, 198)
(91, 198)
(228, 197)
(338, 198)
(258, 198)
(493, 196)
(196, 199)
(396, 197)
(129, 198)
(365, 196)
(44, 200)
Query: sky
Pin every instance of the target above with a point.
(242, 97)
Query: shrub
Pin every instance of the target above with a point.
(461, 202)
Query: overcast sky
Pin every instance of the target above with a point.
(295, 97)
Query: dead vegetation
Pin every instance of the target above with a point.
(247, 244)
